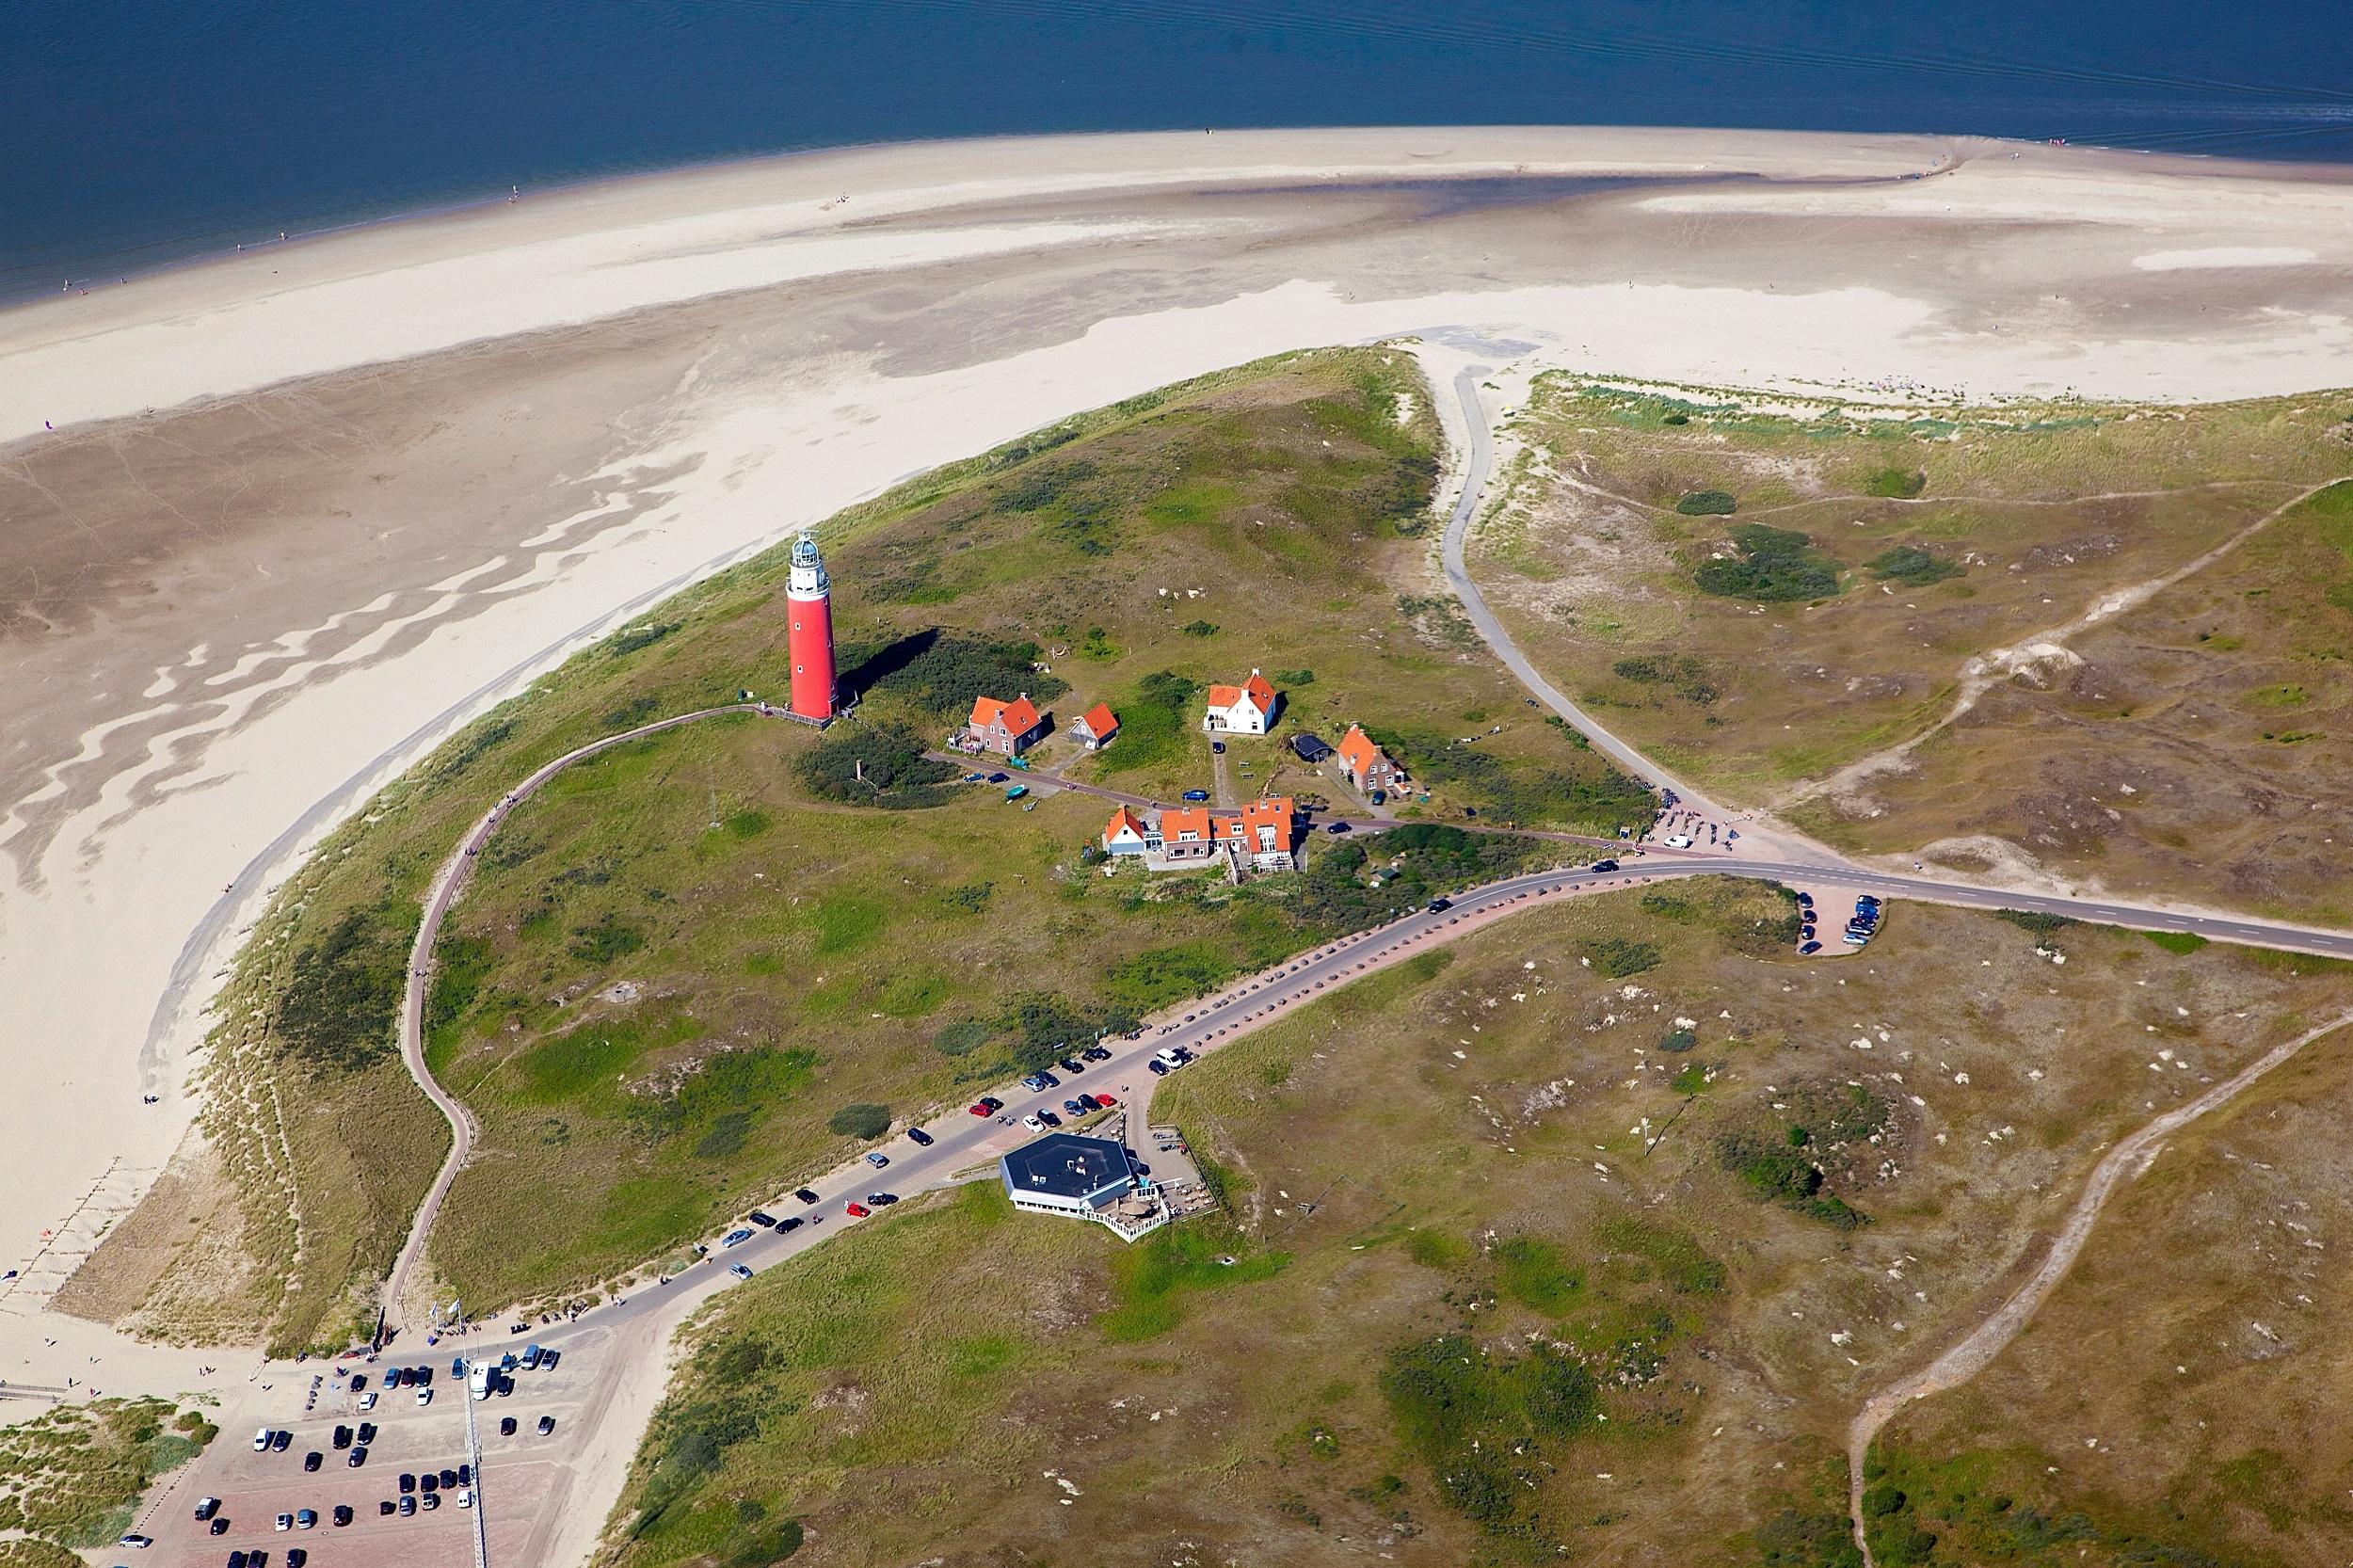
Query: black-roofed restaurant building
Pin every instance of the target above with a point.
(1064, 1174)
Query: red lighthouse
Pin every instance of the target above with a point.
(808, 595)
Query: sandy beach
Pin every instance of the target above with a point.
(277, 522)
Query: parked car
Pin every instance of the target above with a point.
(311, 1460)
(1074, 1107)
(342, 1438)
(358, 1381)
(306, 1519)
(791, 1221)
(808, 1196)
(238, 1559)
(855, 1209)
(547, 1425)
(507, 1423)
(1440, 906)
(425, 1397)
(736, 1238)
(342, 1514)
(281, 1440)
(284, 1522)
(1677, 841)
(138, 1543)
(1048, 1117)
(877, 1158)
(367, 1431)
(206, 1508)
(261, 1441)
(740, 1270)
(1218, 746)
(1095, 1053)
(359, 1455)
(1157, 1068)
(759, 1216)
(1035, 1081)
(429, 1481)
(465, 1474)
(1104, 1102)
(408, 1508)
(882, 1199)
(1805, 901)
(1088, 1102)
(1603, 866)
(383, 1506)
(1031, 1122)
(430, 1502)
(1196, 796)
(218, 1527)
(998, 778)
(297, 1556)
(367, 1400)
(917, 1135)
(408, 1482)
(1069, 1065)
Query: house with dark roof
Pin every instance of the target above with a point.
(1310, 749)
(1065, 1173)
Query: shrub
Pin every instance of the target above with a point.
(961, 1038)
(1199, 628)
(338, 1009)
(2042, 925)
(942, 673)
(1618, 956)
(1707, 503)
(884, 766)
(1911, 566)
(859, 1120)
(1775, 565)
(1677, 1040)
(1897, 483)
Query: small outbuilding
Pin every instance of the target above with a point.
(1310, 749)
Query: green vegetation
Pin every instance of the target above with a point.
(1485, 1424)
(1899, 484)
(344, 997)
(70, 1475)
(2176, 941)
(862, 1121)
(1707, 503)
(1619, 956)
(941, 674)
(2041, 922)
(1790, 1163)
(1911, 565)
(1774, 566)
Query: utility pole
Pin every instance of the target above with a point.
(473, 1457)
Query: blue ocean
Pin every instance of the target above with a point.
(140, 131)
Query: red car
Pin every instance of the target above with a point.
(988, 1105)
(856, 1211)
(1105, 1101)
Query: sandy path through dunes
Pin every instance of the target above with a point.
(223, 622)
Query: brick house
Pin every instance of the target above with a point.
(1248, 708)
(1006, 728)
(1187, 833)
(1366, 766)
(1265, 837)
(1266, 834)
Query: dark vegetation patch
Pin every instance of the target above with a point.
(883, 765)
(2036, 920)
(1359, 881)
(1898, 484)
(1599, 802)
(1707, 504)
(1911, 566)
(943, 672)
(861, 1120)
(1774, 566)
(1791, 1158)
(339, 1007)
(1617, 957)
(1485, 1423)
(1686, 677)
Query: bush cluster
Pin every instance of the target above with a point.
(1774, 566)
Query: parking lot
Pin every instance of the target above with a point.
(518, 1483)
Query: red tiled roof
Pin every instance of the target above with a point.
(1279, 814)
(1122, 820)
(1224, 697)
(1099, 720)
(1358, 750)
(1177, 820)
(1020, 715)
(1260, 694)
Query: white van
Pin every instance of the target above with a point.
(261, 1441)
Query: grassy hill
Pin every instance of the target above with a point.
(1765, 594)
(682, 962)
(1513, 1265)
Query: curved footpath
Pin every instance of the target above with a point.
(1963, 1361)
(447, 884)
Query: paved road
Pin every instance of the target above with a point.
(447, 884)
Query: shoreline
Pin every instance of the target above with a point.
(558, 189)
(744, 361)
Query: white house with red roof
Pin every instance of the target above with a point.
(1127, 833)
(1007, 728)
(1094, 727)
(1248, 708)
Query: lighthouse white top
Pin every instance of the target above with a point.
(807, 579)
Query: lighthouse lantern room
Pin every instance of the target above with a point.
(809, 598)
